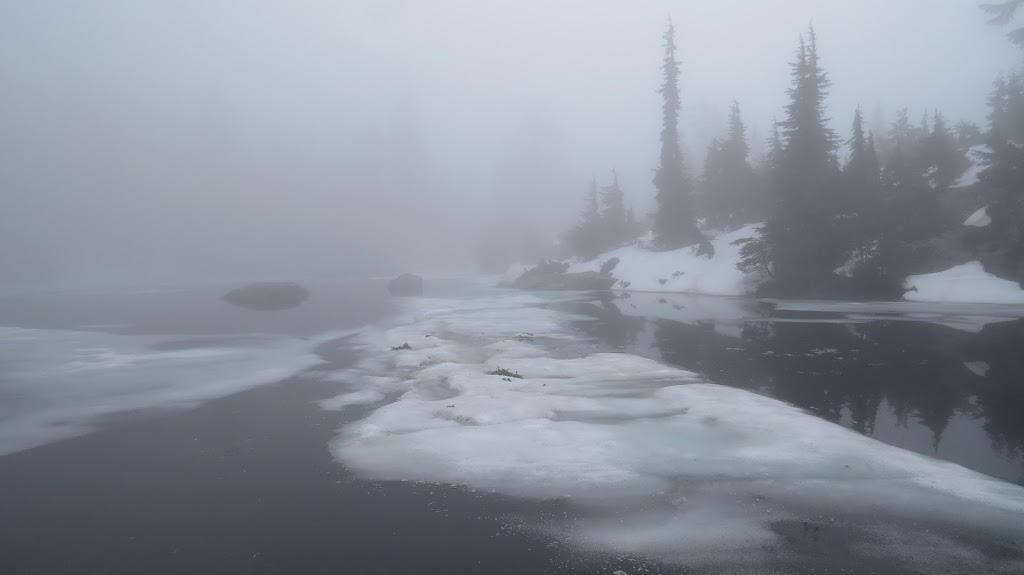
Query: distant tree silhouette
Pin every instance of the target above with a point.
(729, 188)
(674, 224)
(944, 160)
(585, 238)
(605, 223)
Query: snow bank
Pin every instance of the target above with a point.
(58, 384)
(967, 283)
(970, 176)
(979, 219)
(681, 270)
(695, 472)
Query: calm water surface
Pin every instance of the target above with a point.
(945, 381)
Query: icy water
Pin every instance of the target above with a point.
(942, 380)
(164, 431)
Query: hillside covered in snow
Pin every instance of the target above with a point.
(681, 270)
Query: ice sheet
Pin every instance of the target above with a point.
(58, 384)
(699, 467)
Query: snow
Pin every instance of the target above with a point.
(978, 368)
(696, 472)
(979, 219)
(681, 270)
(970, 177)
(967, 283)
(59, 384)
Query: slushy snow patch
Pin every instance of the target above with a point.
(681, 270)
(970, 177)
(979, 219)
(967, 283)
(979, 368)
(696, 472)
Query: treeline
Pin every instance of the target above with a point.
(840, 218)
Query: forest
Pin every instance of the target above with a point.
(836, 217)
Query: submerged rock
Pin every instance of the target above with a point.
(406, 285)
(268, 296)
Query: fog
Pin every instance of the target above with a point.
(148, 142)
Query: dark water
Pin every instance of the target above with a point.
(242, 484)
(245, 484)
(946, 382)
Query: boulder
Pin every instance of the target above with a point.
(406, 285)
(268, 296)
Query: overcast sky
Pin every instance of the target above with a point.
(148, 141)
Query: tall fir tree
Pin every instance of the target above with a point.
(737, 145)
(730, 196)
(807, 178)
(674, 224)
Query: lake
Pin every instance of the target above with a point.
(150, 431)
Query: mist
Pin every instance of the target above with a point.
(149, 142)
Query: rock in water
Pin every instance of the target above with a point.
(267, 296)
(406, 285)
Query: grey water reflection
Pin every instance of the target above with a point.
(942, 380)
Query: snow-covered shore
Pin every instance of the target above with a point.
(684, 271)
(966, 283)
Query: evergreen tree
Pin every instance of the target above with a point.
(945, 162)
(737, 145)
(585, 239)
(861, 223)
(729, 185)
(968, 134)
(799, 231)
(1003, 175)
(901, 132)
(1002, 13)
(674, 224)
(910, 141)
(862, 174)
(591, 211)
(600, 230)
(873, 165)
(773, 159)
(908, 215)
(614, 221)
